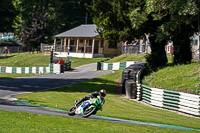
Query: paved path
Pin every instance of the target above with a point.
(43, 82)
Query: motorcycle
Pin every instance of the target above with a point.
(87, 108)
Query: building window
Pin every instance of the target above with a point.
(112, 44)
(71, 42)
(90, 43)
(102, 42)
(81, 41)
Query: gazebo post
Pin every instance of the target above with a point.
(93, 46)
(61, 40)
(77, 43)
(85, 45)
(68, 48)
(55, 43)
(64, 45)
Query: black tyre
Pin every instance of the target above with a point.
(71, 111)
(87, 112)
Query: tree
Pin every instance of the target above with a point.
(31, 34)
(179, 18)
(60, 15)
(8, 14)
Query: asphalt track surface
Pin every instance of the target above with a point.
(12, 86)
(9, 87)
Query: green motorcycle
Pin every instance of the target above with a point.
(87, 108)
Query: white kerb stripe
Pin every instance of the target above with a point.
(116, 66)
(105, 66)
(128, 63)
(18, 70)
(26, 70)
(41, 70)
(33, 69)
(8, 69)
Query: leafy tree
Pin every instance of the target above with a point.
(178, 18)
(32, 34)
(60, 15)
(8, 14)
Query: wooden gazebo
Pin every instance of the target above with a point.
(83, 41)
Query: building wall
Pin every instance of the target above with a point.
(112, 51)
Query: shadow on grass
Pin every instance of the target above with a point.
(10, 85)
(5, 57)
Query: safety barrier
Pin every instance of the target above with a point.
(179, 101)
(52, 68)
(116, 65)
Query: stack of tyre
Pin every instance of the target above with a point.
(129, 79)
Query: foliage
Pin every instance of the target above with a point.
(8, 14)
(60, 15)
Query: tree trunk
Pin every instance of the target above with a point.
(182, 49)
(158, 54)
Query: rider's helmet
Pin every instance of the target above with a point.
(102, 93)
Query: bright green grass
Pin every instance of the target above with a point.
(31, 60)
(21, 122)
(25, 60)
(127, 57)
(114, 106)
(14, 75)
(184, 78)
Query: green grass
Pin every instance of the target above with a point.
(14, 75)
(127, 57)
(25, 60)
(184, 78)
(31, 60)
(114, 107)
(21, 122)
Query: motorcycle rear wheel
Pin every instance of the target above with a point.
(87, 112)
(72, 110)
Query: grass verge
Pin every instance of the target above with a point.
(115, 106)
(127, 57)
(21, 122)
(183, 78)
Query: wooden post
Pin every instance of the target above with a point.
(85, 46)
(61, 44)
(77, 43)
(68, 46)
(64, 45)
(93, 46)
(55, 44)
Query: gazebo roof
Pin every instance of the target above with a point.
(88, 30)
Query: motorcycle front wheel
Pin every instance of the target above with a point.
(71, 111)
(89, 111)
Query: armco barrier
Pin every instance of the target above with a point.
(179, 101)
(116, 65)
(52, 68)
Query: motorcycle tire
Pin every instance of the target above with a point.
(71, 111)
(87, 112)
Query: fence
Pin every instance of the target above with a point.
(116, 65)
(52, 68)
(179, 101)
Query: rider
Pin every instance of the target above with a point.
(101, 93)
